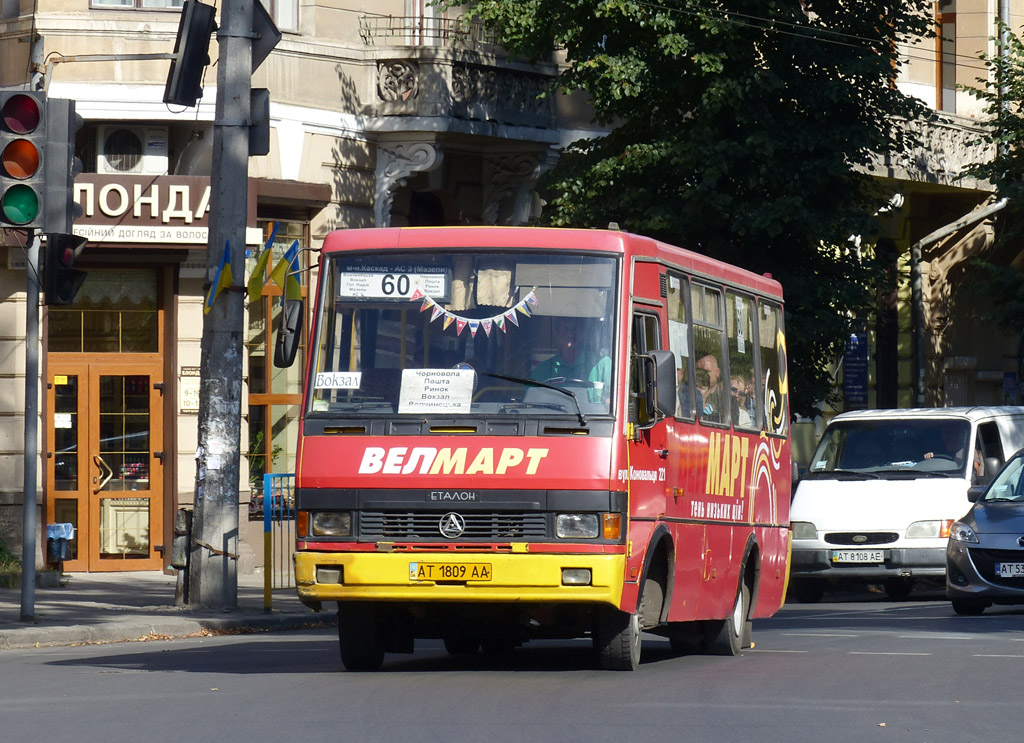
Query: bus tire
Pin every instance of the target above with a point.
(617, 639)
(358, 638)
(726, 636)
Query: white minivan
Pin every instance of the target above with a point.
(884, 486)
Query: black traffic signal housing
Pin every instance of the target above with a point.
(191, 53)
(23, 119)
(61, 280)
(61, 209)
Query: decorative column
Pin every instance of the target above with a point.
(509, 184)
(396, 161)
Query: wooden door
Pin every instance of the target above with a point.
(105, 462)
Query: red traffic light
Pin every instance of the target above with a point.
(21, 114)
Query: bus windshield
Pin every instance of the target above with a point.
(464, 333)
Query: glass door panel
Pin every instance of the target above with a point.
(104, 468)
(123, 459)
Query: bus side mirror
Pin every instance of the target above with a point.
(665, 381)
(289, 332)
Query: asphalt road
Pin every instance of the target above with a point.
(857, 669)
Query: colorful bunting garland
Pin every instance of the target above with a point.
(523, 307)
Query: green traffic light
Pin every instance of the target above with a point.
(20, 204)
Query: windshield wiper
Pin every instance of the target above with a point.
(857, 473)
(534, 383)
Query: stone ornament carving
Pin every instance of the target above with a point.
(396, 161)
(397, 80)
(502, 95)
(509, 188)
(948, 148)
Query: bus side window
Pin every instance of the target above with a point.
(679, 343)
(774, 382)
(739, 315)
(711, 374)
(645, 339)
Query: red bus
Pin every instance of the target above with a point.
(514, 433)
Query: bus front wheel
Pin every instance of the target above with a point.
(358, 637)
(617, 639)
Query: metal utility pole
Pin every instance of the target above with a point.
(213, 575)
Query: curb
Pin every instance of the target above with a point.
(169, 628)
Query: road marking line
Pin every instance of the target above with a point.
(815, 634)
(865, 652)
(761, 650)
(937, 637)
(980, 655)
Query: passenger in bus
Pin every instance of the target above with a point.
(575, 358)
(684, 409)
(715, 396)
(703, 384)
(740, 413)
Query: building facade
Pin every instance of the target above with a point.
(384, 113)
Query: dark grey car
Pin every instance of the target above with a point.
(985, 553)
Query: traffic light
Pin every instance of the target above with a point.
(61, 280)
(62, 124)
(191, 53)
(22, 137)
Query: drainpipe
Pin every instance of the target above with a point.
(917, 293)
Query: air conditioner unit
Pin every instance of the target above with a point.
(131, 150)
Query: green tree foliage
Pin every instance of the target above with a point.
(741, 130)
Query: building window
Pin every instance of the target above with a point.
(946, 57)
(274, 394)
(138, 4)
(284, 12)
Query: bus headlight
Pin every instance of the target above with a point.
(804, 530)
(577, 525)
(332, 524)
(929, 529)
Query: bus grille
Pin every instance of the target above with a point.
(420, 525)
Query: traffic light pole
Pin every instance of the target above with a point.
(213, 573)
(30, 501)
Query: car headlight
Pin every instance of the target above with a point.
(929, 529)
(961, 532)
(804, 530)
(577, 525)
(332, 523)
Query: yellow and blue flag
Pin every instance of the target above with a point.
(289, 262)
(256, 282)
(222, 280)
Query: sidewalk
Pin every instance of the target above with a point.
(117, 607)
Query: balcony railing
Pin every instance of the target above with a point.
(420, 31)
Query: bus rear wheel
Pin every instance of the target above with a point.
(726, 636)
(358, 637)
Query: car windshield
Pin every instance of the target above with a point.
(1009, 483)
(893, 446)
(465, 333)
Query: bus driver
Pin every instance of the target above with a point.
(574, 358)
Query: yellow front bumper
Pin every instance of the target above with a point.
(374, 576)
